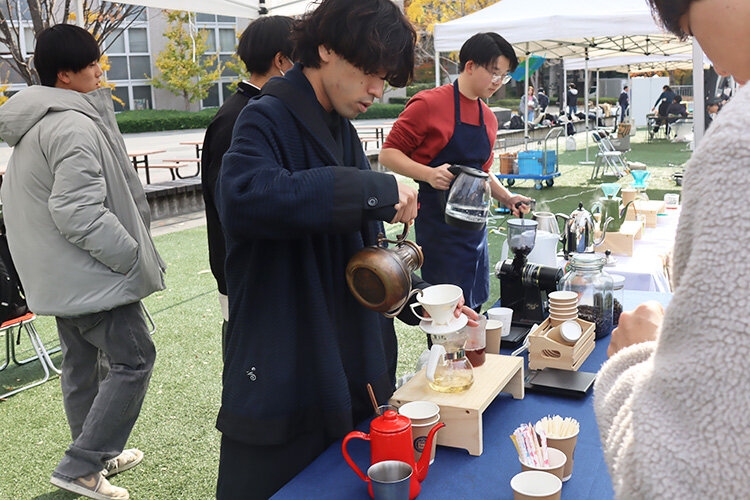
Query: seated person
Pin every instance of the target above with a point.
(676, 109)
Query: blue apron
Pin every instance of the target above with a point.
(453, 255)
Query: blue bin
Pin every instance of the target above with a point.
(531, 162)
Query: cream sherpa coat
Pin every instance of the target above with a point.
(674, 414)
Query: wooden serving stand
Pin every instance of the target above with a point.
(545, 352)
(621, 242)
(650, 209)
(461, 412)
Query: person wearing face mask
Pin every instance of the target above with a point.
(672, 401)
(265, 48)
(451, 125)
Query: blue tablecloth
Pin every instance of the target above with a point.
(456, 474)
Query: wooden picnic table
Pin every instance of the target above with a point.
(198, 146)
(134, 155)
(379, 130)
(180, 161)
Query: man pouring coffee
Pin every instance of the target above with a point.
(451, 125)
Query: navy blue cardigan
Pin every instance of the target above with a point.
(301, 349)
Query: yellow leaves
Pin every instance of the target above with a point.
(3, 98)
(426, 13)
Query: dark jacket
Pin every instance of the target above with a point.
(295, 208)
(215, 144)
(665, 97)
(677, 108)
(624, 99)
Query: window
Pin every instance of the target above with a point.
(221, 40)
(130, 65)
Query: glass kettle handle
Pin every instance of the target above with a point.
(436, 354)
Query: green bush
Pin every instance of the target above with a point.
(378, 110)
(398, 100)
(151, 120)
(418, 87)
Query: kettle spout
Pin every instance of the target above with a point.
(424, 461)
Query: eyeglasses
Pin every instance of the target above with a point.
(504, 79)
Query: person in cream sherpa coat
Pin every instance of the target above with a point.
(673, 401)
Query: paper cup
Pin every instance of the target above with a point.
(504, 315)
(419, 434)
(424, 415)
(563, 296)
(556, 465)
(536, 485)
(568, 446)
(494, 330)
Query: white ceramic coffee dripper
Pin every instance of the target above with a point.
(440, 302)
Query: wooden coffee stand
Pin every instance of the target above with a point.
(462, 412)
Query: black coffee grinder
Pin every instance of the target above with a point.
(524, 286)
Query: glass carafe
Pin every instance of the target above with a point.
(448, 369)
(594, 287)
(468, 203)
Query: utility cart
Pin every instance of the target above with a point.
(541, 166)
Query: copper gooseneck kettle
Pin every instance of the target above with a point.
(380, 277)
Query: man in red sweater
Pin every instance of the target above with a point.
(451, 125)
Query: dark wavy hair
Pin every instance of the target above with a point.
(263, 39)
(484, 48)
(669, 12)
(373, 35)
(63, 47)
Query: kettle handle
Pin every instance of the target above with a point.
(399, 239)
(354, 435)
(397, 311)
(436, 352)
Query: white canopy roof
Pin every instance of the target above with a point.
(237, 8)
(634, 62)
(566, 28)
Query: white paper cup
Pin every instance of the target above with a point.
(424, 415)
(536, 485)
(504, 315)
(562, 296)
(419, 433)
(494, 330)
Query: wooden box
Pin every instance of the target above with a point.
(545, 352)
(461, 412)
(650, 209)
(621, 242)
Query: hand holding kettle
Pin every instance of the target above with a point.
(441, 177)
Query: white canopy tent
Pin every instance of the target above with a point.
(633, 63)
(237, 8)
(568, 29)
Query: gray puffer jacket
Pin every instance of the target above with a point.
(75, 212)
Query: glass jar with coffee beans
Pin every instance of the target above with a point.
(594, 288)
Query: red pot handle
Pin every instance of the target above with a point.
(354, 435)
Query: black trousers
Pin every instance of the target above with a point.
(257, 472)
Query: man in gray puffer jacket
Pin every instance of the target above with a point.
(78, 229)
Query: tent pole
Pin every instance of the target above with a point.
(564, 96)
(526, 108)
(597, 95)
(699, 117)
(437, 68)
(586, 101)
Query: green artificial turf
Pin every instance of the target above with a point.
(176, 428)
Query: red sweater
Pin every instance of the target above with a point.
(425, 126)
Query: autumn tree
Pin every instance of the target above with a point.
(102, 19)
(424, 14)
(185, 70)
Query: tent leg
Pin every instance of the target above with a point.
(586, 102)
(564, 96)
(526, 108)
(699, 117)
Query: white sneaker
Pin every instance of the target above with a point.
(122, 462)
(93, 486)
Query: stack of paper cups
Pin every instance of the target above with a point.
(424, 415)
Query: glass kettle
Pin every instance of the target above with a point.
(468, 203)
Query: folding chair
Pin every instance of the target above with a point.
(607, 157)
(26, 322)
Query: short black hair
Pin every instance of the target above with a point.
(373, 35)
(262, 40)
(484, 49)
(63, 47)
(677, 98)
(669, 12)
(626, 87)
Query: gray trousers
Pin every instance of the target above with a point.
(107, 362)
